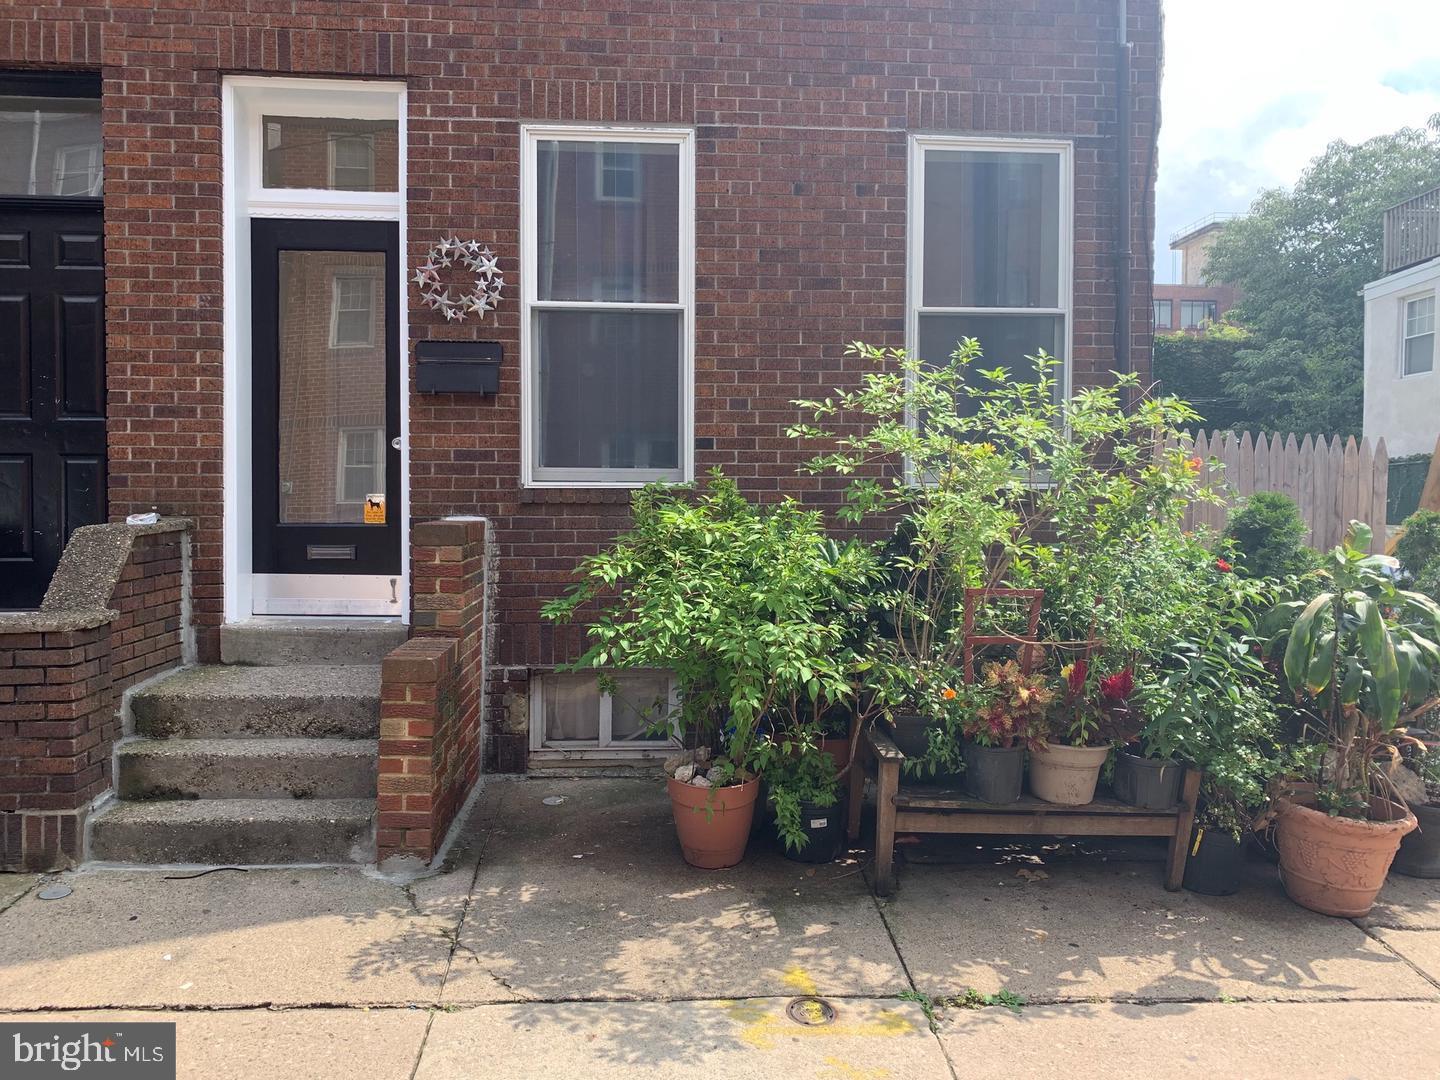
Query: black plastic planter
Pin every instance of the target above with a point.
(912, 734)
(824, 833)
(1215, 864)
(1419, 854)
(994, 774)
(1147, 783)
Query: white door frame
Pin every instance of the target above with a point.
(244, 98)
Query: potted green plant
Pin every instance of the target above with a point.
(1361, 657)
(1066, 768)
(804, 791)
(750, 607)
(1007, 482)
(1419, 854)
(1000, 717)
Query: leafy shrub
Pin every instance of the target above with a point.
(1418, 550)
(750, 607)
(1267, 535)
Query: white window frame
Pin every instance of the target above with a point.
(332, 139)
(335, 297)
(1406, 336)
(604, 744)
(635, 173)
(915, 240)
(532, 476)
(377, 467)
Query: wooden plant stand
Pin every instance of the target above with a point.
(932, 808)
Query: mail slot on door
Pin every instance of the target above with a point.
(458, 367)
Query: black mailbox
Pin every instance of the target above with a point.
(457, 367)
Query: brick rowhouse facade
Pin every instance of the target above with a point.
(801, 113)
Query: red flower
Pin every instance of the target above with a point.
(1079, 671)
(1223, 566)
(1118, 687)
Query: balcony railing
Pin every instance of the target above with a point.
(1412, 231)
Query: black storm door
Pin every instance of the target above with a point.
(52, 385)
(326, 397)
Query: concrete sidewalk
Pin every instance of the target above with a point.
(570, 939)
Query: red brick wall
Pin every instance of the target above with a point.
(801, 113)
(59, 692)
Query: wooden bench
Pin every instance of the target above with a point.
(937, 808)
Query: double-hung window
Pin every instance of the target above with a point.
(361, 464)
(352, 312)
(990, 249)
(1417, 354)
(607, 327)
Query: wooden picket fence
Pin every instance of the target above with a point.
(1332, 481)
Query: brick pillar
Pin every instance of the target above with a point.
(431, 693)
(418, 796)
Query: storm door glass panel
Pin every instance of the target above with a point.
(331, 387)
(50, 146)
(641, 700)
(992, 229)
(609, 388)
(608, 221)
(330, 153)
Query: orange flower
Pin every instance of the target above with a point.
(1194, 464)
(948, 694)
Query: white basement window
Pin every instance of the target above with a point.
(570, 712)
(1417, 354)
(990, 245)
(607, 327)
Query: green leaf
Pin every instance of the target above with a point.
(1322, 667)
(1301, 647)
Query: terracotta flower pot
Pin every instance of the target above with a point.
(1336, 865)
(713, 823)
(1066, 775)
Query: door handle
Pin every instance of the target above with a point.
(395, 443)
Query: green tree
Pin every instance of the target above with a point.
(1194, 367)
(1300, 258)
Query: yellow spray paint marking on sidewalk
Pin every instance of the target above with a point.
(763, 1025)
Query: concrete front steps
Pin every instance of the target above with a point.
(268, 762)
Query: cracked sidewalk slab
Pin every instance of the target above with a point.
(1110, 932)
(266, 1044)
(589, 899)
(739, 1039)
(1257, 1041)
(265, 937)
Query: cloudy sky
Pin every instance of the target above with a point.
(1253, 89)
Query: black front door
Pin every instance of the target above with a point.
(326, 397)
(52, 386)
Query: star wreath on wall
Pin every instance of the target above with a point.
(480, 261)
